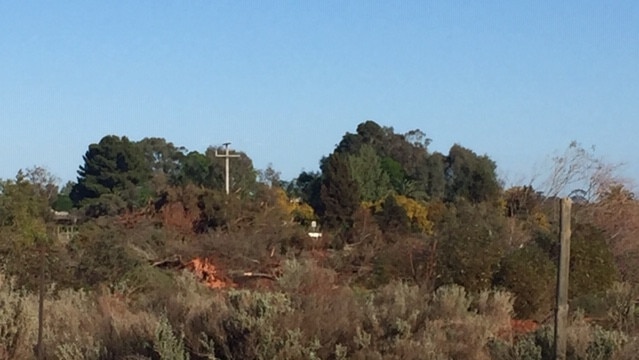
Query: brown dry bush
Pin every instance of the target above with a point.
(325, 310)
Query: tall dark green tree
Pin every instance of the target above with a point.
(470, 176)
(404, 158)
(116, 168)
(339, 193)
(368, 132)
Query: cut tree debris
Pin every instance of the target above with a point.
(207, 272)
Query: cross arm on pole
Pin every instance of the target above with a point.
(226, 156)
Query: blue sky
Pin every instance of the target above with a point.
(283, 81)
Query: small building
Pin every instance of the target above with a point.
(65, 225)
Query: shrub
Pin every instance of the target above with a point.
(620, 299)
(11, 321)
(167, 345)
(592, 266)
(530, 276)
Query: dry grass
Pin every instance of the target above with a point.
(309, 315)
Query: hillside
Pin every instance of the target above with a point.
(421, 255)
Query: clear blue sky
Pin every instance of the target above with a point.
(283, 81)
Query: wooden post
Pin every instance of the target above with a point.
(561, 310)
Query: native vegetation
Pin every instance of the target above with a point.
(423, 255)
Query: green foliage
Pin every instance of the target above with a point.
(522, 349)
(307, 187)
(406, 222)
(24, 209)
(101, 258)
(592, 267)
(163, 159)
(530, 275)
(339, 193)
(470, 245)
(434, 176)
(251, 329)
(585, 341)
(470, 176)
(114, 166)
(394, 171)
(167, 345)
(365, 168)
(197, 169)
(242, 174)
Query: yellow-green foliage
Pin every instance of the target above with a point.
(417, 212)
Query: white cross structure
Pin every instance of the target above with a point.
(227, 156)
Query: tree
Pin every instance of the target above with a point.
(434, 176)
(522, 201)
(197, 168)
(365, 168)
(368, 132)
(24, 209)
(163, 159)
(404, 159)
(471, 243)
(242, 174)
(529, 274)
(339, 193)
(24, 228)
(394, 171)
(603, 198)
(592, 267)
(417, 213)
(307, 186)
(115, 166)
(579, 170)
(616, 213)
(270, 176)
(470, 176)
(63, 199)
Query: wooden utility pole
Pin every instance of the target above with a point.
(561, 310)
(227, 156)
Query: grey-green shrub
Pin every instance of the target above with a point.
(167, 344)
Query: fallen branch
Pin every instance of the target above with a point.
(256, 275)
(175, 261)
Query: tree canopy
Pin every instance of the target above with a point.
(115, 167)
